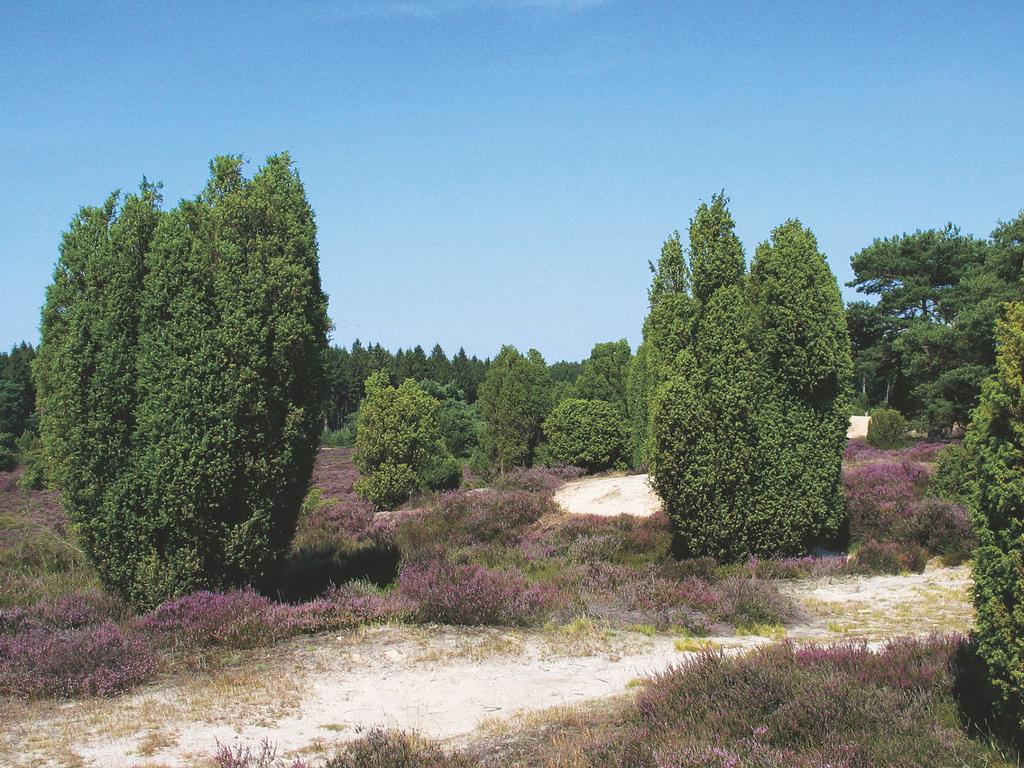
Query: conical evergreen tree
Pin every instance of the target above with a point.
(995, 446)
(666, 332)
(85, 370)
(749, 431)
(804, 346)
(205, 370)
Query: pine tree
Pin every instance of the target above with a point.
(440, 368)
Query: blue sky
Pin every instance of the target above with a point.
(500, 171)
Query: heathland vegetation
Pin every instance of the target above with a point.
(218, 479)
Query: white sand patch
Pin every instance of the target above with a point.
(609, 496)
(858, 427)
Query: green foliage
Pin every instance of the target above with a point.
(749, 429)
(804, 352)
(17, 390)
(995, 445)
(666, 332)
(637, 396)
(671, 275)
(180, 380)
(590, 434)
(399, 449)
(515, 398)
(348, 369)
(344, 436)
(604, 375)
(32, 458)
(954, 475)
(461, 426)
(887, 429)
(928, 343)
(716, 256)
(7, 452)
(442, 473)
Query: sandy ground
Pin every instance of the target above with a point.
(609, 496)
(858, 427)
(443, 681)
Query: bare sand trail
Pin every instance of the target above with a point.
(442, 681)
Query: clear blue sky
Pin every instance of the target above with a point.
(500, 171)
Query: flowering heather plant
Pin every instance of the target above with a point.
(799, 567)
(943, 527)
(241, 619)
(241, 756)
(62, 613)
(537, 478)
(889, 557)
(881, 496)
(472, 594)
(625, 596)
(925, 451)
(333, 515)
(468, 519)
(381, 748)
(807, 706)
(100, 659)
(587, 538)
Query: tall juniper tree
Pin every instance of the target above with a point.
(994, 446)
(804, 347)
(181, 378)
(749, 429)
(704, 457)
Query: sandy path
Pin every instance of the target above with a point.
(609, 496)
(443, 681)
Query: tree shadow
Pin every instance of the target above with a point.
(976, 704)
(309, 573)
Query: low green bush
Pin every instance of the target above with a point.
(399, 448)
(591, 434)
(888, 429)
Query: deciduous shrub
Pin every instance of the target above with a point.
(995, 445)
(587, 433)
(888, 429)
(180, 380)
